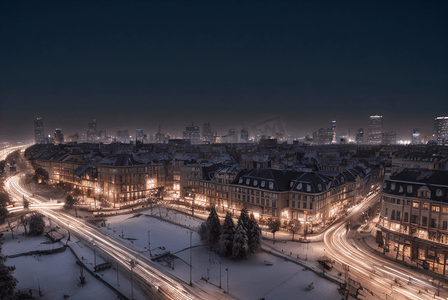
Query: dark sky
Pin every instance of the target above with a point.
(137, 64)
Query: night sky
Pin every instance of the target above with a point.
(137, 64)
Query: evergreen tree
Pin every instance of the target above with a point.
(41, 175)
(37, 225)
(240, 246)
(70, 202)
(7, 280)
(254, 237)
(213, 228)
(203, 231)
(274, 226)
(225, 246)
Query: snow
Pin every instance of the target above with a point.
(250, 278)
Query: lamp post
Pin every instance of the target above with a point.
(149, 242)
(133, 264)
(227, 270)
(191, 268)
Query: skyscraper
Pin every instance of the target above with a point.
(58, 136)
(375, 130)
(207, 132)
(91, 131)
(416, 136)
(333, 128)
(39, 136)
(441, 130)
(360, 136)
(244, 138)
(389, 138)
(192, 133)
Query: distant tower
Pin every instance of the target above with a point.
(244, 136)
(139, 135)
(91, 131)
(441, 130)
(58, 136)
(207, 132)
(192, 133)
(416, 136)
(333, 128)
(360, 136)
(375, 130)
(39, 136)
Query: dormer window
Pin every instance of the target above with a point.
(271, 185)
(263, 183)
(241, 180)
(342, 179)
(299, 186)
(409, 189)
(400, 190)
(392, 186)
(319, 186)
(291, 184)
(439, 193)
(308, 187)
(255, 182)
(247, 181)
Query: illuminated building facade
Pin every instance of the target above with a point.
(441, 130)
(414, 218)
(375, 130)
(39, 135)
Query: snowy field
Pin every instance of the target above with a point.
(58, 274)
(248, 279)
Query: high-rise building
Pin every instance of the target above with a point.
(193, 134)
(375, 130)
(39, 136)
(441, 130)
(58, 136)
(360, 136)
(389, 138)
(244, 138)
(333, 128)
(232, 137)
(123, 136)
(416, 136)
(139, 135)
(73, 138)
(91, 131)
(207, 132)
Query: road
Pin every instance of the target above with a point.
(385, 278)
(156, 282)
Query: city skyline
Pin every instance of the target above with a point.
(309, 63)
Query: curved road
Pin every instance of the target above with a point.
(385, 278)
(156, 282)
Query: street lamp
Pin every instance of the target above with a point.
(227, 270)
(133, 265)
(94, 254)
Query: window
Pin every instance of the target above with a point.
(436, 208)
(258, 200)
(299, 186)
(298, 204)
(444, 225)
(300, 196)
(308, 187)
(445, 209)
(424, 221)
(262, 201)
(392, 215)
(247, 181)
(398, 215)
(406, 217)
(433, 223)
(293, 204)
(415, 204)
(311, 205)
(271, 185)
(409, 189)
(244, 198)
(386, 211)
(274, 203)
(293, 196)
(392, 186)
(263, 183)
(398, 201)
(304, 205)
(425, 206)
(255, 182)
(267, 202)
(414, 219)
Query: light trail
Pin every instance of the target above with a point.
(156, 282)
(378, 274)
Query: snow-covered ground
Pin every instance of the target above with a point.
(58, 274)
(248, 279)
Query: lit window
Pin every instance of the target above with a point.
(415, 204)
